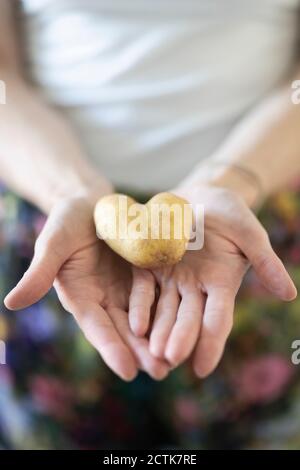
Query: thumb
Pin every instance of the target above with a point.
(255, 244)
(39, 277)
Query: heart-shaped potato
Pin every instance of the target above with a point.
(149, 235)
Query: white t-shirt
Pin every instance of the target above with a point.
(154, 86)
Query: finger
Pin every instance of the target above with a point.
(187, 326)
(164, 319)
(253, 240)
(39, 277)
(156, 368)
(141, 299)
(103, 335)
(216, 326)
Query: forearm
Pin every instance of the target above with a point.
(40, 156)
(266, 144)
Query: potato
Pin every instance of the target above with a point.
(148, 236)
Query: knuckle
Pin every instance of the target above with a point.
(137, 309)
(166, 310)
(225, 291)
(141, 288)
(220, 325)
(262, 262)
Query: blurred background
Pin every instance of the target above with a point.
(55, 392)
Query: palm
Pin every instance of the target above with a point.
(219, 264)
(94, 284)
(203, 281)
(95, 274)
(196, 297)
(209, 277)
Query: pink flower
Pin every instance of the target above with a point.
(262, 380)
(6, 377)
(187, 411)
(52, 396)
(294, 254)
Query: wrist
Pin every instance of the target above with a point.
(240, 182)
(88, 189)
(234, 177)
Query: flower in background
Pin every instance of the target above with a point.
(286, 205)
(38, 322)
(52, 396)
(294, 254)
(187, 411)
(262, 380)
(55, 392)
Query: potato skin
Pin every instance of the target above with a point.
(149, 252)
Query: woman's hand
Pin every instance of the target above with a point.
(92, 283)
(196, 301)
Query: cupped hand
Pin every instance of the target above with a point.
(92, 283)
(195, 308)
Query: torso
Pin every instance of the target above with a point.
(154, 87)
